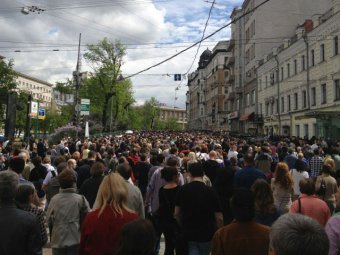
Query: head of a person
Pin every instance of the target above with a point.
(298, 234)
(243, 205)
(326, 169)
(72, 163)
(47, 160)
(263, 195)
(124, 170)
(329, 161)
(172, 161)
(17, 164)
(137, 237)
(196, 170)
(25, 194)
(307, 186)
(192, 156)
(300, 166)
(97, 169)
(143, 157)
(212, 155)
(9, 182)
(173, 151)
(67, 179)
(291, 150)
(91, 155)
(283, 176)
(316, 152)
(248, 159)
(300, 156)
(37, 161)
(76, 155)
(170, 174)
(24, 155)
(112, 192)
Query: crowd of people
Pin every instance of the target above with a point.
(206, 193)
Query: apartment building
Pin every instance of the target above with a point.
(299, 81)
(206, 99)
(180, 115)
(40, 90)
(253, 36)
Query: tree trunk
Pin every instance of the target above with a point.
(104, 116)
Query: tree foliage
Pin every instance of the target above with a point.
(106, 89)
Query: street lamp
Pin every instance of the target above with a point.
(27, 9)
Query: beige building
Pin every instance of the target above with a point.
(253, 36)
(40, 90)
(206, 97)
(300, 95)
(180, 115)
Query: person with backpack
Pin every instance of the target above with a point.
(326, 187)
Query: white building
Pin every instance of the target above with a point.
(300, 96)
(178, 114)
(40, 90)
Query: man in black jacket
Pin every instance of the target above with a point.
(20, 231)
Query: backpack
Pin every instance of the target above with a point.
(322, 190)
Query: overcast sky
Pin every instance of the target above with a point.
(151, 31)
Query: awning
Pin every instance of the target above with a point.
(246, 116)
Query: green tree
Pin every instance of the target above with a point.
(21, 113)
(106, 59)
(7, 84)
(65, 87)
(151, 113)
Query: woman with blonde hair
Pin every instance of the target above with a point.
(101, 227)
(282, 187)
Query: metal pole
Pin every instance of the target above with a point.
(278, 93)
(28, 119)
(76, 77)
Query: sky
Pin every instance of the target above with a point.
(150, 30)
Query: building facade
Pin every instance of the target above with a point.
(253, 36)
(40, 90)
(178, 114)
(207, 91)
(299, 81)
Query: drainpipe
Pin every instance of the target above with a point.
(278, 92)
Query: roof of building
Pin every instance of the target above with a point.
(34, 79)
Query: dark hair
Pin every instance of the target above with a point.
(316, 151)
(160, 158)
(172, 161)
(17, 164)
(307, 186)
(326, 168)
(23, 193)
(263, 195)
(137, 238)
(143, 157)
(196, 169)
(168, 173)
(124, 170)
(66, 179)
(248, 159)
(300, 165)
(58, 160)
(92, 154)
(97, 169)
(242, 205)
(173, 150)
(37, 161)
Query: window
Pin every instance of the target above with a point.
(336, 45)
(288, 102)
(295, 66)
(266, 82)
(201, 111)
(267, 109)
(304, 98)
(296, 102)
(337, 89)
(303, 63)
(260, 107)
(277, 105)
(248, 99)
(253, 99)
(282, 104)
(313, 92)
(288, 70)
(315, 130)
(305, 128)
(238, 104)
(322, 53)
(312, 55)
(297, 130)
(272, 108)
(260, 84)
(282, 73)
(323, 94)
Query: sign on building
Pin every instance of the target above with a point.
(34, 109)
(42, 114)
(85, 107)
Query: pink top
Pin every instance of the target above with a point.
(313, 207)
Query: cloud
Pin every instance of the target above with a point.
(147, 25)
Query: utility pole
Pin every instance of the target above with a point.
(28, 118)
(76, 77)
(278, 92)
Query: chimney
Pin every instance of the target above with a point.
(308, 25)
(336, 6)
(316, 20)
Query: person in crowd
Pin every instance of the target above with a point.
(282, 186)
(263, 160)
(37, 177)
(291, 158)
(65, 214)
(249, 174)
(198, 212)
(41, 148)
(332, 227)
(232, 153)
(265, 211)
(84, 171)
(309, 204)
(167, 197)
(135, 199)
(20, 230)
(298, 235)
(210, 167)
(315, 164)
(242, 236)
(299, 172)
(137, 237)
(27, 170)
(90, 187)
(326, 187)
(24, 199)
(112, 214)
(142, 169)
